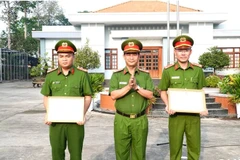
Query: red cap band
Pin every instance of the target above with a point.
(132, 47)
(185, 43)
(65, 49)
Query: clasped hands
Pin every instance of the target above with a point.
(132, 82)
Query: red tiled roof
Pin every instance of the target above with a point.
(145, 6)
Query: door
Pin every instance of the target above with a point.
(151, 60)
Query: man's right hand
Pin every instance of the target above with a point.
(131, 81)
(169, 111)
(46, 121)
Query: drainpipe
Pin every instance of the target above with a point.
(168, 32)
(177, 12)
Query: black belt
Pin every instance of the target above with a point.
(131, 115)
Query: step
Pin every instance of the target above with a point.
(213, 105)
(208, 99)
(209, 105)
(212, 113)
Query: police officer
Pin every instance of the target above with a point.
(67, 80)
(183, 74)
(131, 87)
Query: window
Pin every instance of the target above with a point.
(234, 55)
(111, 59)
(54, 59)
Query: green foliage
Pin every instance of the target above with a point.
(235, 84)
(212, 81)
(156, 92)
(224, 86)
(231, 85)
(97, 80)
(214, 58)
(87, 58)
(42, 67)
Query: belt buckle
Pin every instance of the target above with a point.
(133, 115)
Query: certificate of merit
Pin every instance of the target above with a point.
(65, 109)
(187, 100)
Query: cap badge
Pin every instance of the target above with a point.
(64, 44)
(130, 44)
(183, 39)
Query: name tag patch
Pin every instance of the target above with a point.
(175, 77)
(122, 82)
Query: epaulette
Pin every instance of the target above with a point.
(168, 66)
(51, 70)
(196, 64)
(143, 70)
(82, 69)
(119, 70)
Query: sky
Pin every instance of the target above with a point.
(222, 6)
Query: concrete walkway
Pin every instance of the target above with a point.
(24, 136)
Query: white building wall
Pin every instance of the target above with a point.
(226, 42)
(95, 33)
(202, 34)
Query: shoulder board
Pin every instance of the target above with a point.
(82, 69)
(143, 70)
(119, 70)
(168, 66)
(196, 64)
(51, 70)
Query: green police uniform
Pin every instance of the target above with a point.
(189, 123)
(75, 83)
(130, 134)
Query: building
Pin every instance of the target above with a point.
(145, 20)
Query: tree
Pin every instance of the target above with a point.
(25, 7)
(9, 15)
(87, 58)
(50, 13)
(214, 58)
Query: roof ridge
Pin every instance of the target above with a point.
(112, 6)
(115, 8)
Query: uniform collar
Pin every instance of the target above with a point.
(71, 70)
(125, 70)
(177, 66)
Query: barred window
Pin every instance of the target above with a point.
(234, 55)
(111, 59)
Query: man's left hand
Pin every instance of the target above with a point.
(81, 122)
(204, 113)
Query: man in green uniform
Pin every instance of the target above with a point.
(131, 88)
(183, 74)
(67, 80)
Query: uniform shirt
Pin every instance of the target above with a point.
(76, 83)
(132, 102)
(175, 77)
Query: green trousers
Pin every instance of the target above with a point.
(189, 124)
(130, 137)
(66, 133)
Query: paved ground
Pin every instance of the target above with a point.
(24, 136)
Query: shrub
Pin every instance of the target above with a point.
(214, 58)
(96, 80)
(212, 81)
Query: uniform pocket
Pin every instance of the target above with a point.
(176, 83)
(56, 87)
(75, 89)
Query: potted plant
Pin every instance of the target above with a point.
(235, 92)
(39, 72)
